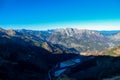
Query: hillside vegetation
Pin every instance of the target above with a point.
(112, 52)
(105, 66)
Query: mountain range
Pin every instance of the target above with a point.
(69, 40)
(30, 54)
(22, 59)
(72, 39)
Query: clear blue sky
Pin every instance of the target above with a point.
(35, 12)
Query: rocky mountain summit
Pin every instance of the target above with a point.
(81, 40)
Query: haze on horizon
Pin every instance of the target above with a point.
(51, 14)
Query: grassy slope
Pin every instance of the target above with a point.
(101, 67)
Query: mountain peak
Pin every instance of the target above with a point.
(75, 31)
(11, 32)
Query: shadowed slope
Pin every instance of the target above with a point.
(21, 59)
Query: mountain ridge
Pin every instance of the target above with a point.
(79, 39)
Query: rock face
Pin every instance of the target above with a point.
(81, 40)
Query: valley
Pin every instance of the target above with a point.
(58, 54)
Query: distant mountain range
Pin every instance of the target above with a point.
(76, 39)
(29, 54)
(69, 40)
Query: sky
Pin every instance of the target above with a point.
(49, 14)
